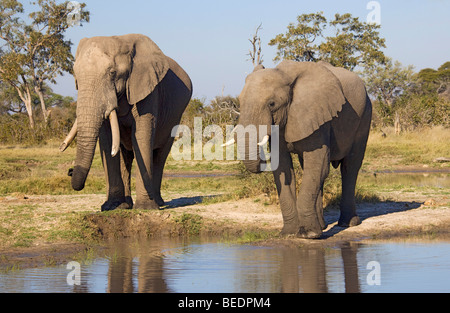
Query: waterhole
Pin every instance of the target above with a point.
(176, 266)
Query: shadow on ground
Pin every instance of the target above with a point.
(186, 201)
(366, 211)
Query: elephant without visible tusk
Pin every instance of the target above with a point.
(114, 130)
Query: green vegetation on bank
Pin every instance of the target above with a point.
(42, 170)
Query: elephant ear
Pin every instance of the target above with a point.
(316, 98)
(150, 66)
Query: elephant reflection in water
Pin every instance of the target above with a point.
(298, 270)
(150, 272)
(305, 270)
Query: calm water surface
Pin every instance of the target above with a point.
(211, 267)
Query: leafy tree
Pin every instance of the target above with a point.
(10, 103)
(353, 43)
(388, 82)
(195, 108)
(435, 81)
(442, 75)
(35, 52)
(298, 43)
(407, 99)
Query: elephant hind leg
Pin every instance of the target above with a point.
(350, 167)
(159, 158)
(142, 137)
(349, 172)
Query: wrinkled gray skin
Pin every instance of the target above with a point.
(149, 91)
(324, 115)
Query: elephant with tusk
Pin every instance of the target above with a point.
(324, 116)
(114, 130)
(130, 96)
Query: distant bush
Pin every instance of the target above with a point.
(424, 110)
(414, 111)
(15, 129)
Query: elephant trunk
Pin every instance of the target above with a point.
(89, 123)
(95, 103)
(249, 143)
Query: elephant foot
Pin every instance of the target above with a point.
(349, 221)
(146, 205)
(310, 227)
(159, 201)
(309, 234)
(289, 229)
(323, 225)
(112, 205)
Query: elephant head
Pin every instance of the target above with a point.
(106, 69)
(299, 97)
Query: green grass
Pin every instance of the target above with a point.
(191, 224)
(43, 170)
(407, 149)
(252, 236)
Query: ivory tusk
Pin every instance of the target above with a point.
(69, 138)
(229, 143)
(264, 141)
(115, 133)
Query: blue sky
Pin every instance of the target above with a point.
(210, 38)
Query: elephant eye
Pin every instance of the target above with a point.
(271, 104)
(112, 73)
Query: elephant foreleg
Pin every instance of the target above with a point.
(319, 209)
(309, 200)
(117, 172)
(284, 177)
(126, 162)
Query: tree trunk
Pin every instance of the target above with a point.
(30, 113)
(397, 125)
(26, 98)
(41, 99)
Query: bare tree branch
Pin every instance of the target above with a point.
(256, 53)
